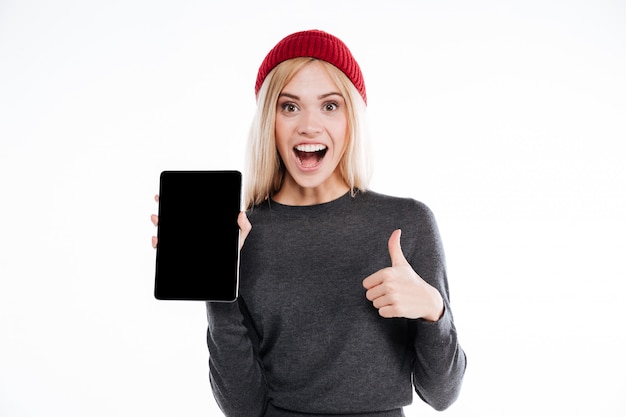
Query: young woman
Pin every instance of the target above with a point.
(335, 317)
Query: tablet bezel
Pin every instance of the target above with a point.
(207, 208)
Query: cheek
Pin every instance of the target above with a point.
(281, 141)
(339, 126)
(283, 126)
(340, 134)
(279, 134)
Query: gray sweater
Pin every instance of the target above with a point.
(303, 339)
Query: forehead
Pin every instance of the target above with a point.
(312, 77)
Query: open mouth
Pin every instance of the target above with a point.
(310, 155)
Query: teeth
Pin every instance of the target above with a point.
(310, 148)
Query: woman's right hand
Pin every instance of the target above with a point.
(155, 221)
(242, 220)
(244, 227)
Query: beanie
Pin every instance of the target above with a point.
(314, 44)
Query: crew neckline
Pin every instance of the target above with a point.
(321, 208)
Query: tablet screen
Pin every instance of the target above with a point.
(197, 255)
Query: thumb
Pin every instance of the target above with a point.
(245, 226)
(395, 250)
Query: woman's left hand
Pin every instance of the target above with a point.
(398, 291)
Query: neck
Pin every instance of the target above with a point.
(292, 194)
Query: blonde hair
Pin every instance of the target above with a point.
(265, 170)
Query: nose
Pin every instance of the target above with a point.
(309, 124)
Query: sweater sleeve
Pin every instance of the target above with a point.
(440, 361)
(235, 370)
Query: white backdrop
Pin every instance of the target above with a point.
(506, 118)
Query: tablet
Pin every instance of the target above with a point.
(197, 255)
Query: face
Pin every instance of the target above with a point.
(311, 137)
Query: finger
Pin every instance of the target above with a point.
(244, 226)
(375, 293)
(387, 306)
(154, 241)
(243, 222)
(395, 250)
(389, 311)
(155, 219)
(383, 301)
(156, 198)
(373, 280)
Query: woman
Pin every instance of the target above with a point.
(334, 316)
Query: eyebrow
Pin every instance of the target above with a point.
(323, 96)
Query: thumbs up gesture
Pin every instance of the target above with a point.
(398, 291)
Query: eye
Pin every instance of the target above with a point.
(289, 107)
(331, 106)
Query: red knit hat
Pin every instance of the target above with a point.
(314, 44)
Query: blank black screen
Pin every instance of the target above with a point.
(197, 256)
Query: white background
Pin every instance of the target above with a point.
(506, 118)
